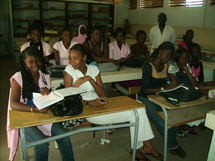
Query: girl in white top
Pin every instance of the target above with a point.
(35, 41)
(87, 77)
(61, 48)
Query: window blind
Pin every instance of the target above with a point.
(186, 3)
(151, 3)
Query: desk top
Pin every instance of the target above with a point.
(125, 73)
(160, 100)
(20, 119)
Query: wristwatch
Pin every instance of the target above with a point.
(162, 88)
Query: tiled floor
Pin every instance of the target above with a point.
(87, 148)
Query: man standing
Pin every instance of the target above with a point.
(161, 32)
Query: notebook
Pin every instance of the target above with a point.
(41, 101)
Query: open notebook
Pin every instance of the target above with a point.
(41, 101)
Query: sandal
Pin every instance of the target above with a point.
(158, 157)
(139, 156)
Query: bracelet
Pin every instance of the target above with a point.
(32, 109)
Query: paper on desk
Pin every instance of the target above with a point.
(43, 101)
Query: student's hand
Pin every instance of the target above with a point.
(170, 86)
(45, 91)
(45, 110)
(99, 102)
(81, 80)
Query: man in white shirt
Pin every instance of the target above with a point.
(161, 32)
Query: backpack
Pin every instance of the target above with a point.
(182, 93)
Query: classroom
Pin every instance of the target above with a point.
(107, 80)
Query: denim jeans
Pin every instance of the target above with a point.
(41, 151)
(152, 110)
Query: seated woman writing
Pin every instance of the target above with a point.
(87, 77)
(32, 77)
(154, 79)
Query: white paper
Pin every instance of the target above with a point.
(69, 91)
(41, 101)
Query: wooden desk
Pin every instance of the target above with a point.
(186, 112)
(116, 104)
(124, 74)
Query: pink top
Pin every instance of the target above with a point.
(13, 134)
(196, 71)
(183, 44)
(80, 38)
(116, 53)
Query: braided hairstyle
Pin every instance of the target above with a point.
(29, 85)
(164, 46)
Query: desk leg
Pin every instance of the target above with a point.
(211, 154)
(135, 134)
(165, 132)
(24, 149)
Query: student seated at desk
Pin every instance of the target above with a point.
(187, 40)
(119, 50)
(35, 41)
(82, 36)
(97, 48)
(87, 77)
(32, 77)
(154, 79)
(191, 74)
(139, 49)
(61, 48)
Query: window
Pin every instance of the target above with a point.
(212, 2)
(186, 3)
(133, 4)
(151, 3)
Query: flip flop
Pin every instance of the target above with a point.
(159, 157)
(139, 156)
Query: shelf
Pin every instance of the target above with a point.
(30, 9)
(55, 18)
(50, 9)
(78, 11)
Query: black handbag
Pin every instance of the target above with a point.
(69, 106)
(181, 94)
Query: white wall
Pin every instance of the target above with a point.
(177, 16)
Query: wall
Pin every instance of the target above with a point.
(200, 19)
(121, 12)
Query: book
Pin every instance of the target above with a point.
(43, 101)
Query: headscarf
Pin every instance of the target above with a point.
(81, 37)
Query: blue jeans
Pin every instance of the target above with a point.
(41, 151)
(152, 110)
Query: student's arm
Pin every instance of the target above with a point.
(56, 56)
(98, 86)
(201, 75)
(68, 81)
(15, 100)
(192, 80)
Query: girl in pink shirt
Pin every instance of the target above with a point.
(119, 50)
(187, 40)
(33, 77)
